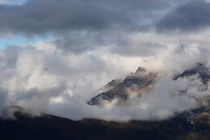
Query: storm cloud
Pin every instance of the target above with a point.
(191, 16)
(39, 17)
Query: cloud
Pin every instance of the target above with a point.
(52, 16)
(192, 16)
(45, 78)
(3, 98)
(163, 103)
(41, 17)
(94, 42)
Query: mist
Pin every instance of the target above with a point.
(44, 78)
(77, 54)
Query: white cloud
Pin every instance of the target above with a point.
(45, 77)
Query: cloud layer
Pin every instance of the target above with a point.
(90, 43)
(191, 16)
(41, 17)
(46, 78)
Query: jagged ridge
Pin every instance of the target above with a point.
(139, 82)
(143, 82)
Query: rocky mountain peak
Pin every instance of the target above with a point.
(199, 69)
(140, 70)
(138, 83)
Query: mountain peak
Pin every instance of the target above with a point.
(140, 70)
(200, 69)
(121, 90)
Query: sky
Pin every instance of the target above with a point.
(15, 41)
(56, 54)
(12, 2)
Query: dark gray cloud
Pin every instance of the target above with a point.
(38, 16)
(191, 16)
(3, 97)
(118, 43)
(58, 16)
(77, 42)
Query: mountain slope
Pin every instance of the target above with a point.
(188, 125)
(143, 81)
(136, 83)
(200, 69)
(191, 125)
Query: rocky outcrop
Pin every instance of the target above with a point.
(136, 83)
(200, 69)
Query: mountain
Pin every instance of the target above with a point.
(143, 81)
(200, 69)
(136, 83)
(202, 72)
(190, 125)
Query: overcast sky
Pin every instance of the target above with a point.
(56, 54)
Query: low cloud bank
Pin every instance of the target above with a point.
(45, 78)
